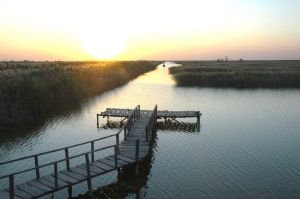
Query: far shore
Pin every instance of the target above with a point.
(238, 74)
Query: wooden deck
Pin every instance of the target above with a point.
(135, 145)
(161, 114)
(116, 112)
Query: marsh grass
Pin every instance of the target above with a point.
(29, 91)
(247, 74)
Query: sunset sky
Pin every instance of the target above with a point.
(156, 29)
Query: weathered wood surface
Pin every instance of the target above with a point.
(126, 155)
(115, 112)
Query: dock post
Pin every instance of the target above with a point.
(198, 120)
(11, 187)
(116, 155)
(97, 120)
(89, 180)
(37, 169)
(67, 159)
(137, 151)
(55, 175)
(117, 142)
(92, 151)
(70, 190)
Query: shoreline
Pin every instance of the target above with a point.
(31, 91)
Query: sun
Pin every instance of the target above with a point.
(103, 44)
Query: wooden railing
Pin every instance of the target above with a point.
(126, 128)
(151, 124)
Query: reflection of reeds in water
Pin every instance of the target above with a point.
(177, 126)
(161, 125)
(247, 74)
(31, 90)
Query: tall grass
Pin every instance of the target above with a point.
(247, 74)
(29, 91)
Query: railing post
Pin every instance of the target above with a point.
(137, 151)
(116, 156)
(55, 175)
(97, 120)
(117, 142)
(147, 138)
(139, 110)
(67, 159)
(70, 190)
(37, 169)
(198, 120)
(11, 187)
(89, 180)
(92, 150)
(125, 133)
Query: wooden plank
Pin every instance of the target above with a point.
(118, 160)
(129, 148)
(80, 171)
(66, 178)
(108, 162)
(46, 183)
(4, 194)
(51, 180)
(83, 168)
(39, 185)
(102, 166)
(22, 194)
(132, 156)
(74, 175)
(127, 159)
(30, 189)
(94, 169)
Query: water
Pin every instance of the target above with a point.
(248, 145)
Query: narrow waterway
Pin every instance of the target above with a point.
(247, 147)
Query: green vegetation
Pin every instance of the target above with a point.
(238, 74)
(29, 91)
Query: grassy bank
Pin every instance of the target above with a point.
(234, 74)
(29, 91)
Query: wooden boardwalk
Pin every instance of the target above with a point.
(161, 114)
(116, 112)
(135, 145)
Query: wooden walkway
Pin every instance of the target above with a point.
(135, 145)
(161, 114)
(116, 112)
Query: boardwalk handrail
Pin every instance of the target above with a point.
(149, 127)
(133, 117)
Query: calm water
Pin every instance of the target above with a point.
(248, 145)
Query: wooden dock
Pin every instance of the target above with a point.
(136, 134)
(170, 118)
(132, 144)
(161, 114)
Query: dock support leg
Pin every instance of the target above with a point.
(137, 150)
(89, 179)
(97, 120)
(198, 121)
(70, 190)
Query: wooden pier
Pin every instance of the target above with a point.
(131, 144)
(169, 117)
(137, 136)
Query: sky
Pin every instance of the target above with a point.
(151, 30)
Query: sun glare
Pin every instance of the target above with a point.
(103, 44)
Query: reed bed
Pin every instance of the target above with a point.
(29, 91)
(234, 74)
